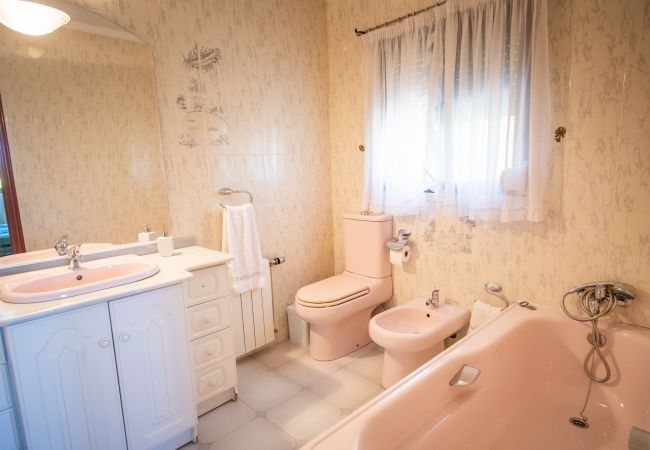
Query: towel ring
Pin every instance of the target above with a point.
(230, 191)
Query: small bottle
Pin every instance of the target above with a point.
(147, 235)
(165, 244)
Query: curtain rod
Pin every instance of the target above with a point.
(399, 19)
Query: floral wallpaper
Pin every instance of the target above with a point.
(84, 137)
(242, 95)
(599, 227)
(280, 113)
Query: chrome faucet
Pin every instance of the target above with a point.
(75, 257)
(61, 245)
(434, 301)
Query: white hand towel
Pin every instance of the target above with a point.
(481, 312)
(241, 239)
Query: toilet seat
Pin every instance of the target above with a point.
(332, 291)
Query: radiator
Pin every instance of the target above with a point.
(252, 317)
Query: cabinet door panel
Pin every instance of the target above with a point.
(154, 366)
(5, 393)
(66, 381)
(8, 432)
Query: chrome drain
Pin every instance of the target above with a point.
(580, 422)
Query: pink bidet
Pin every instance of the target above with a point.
(412, 334)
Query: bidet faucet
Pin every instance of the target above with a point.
(75, 257)
(434, 301)
(61, 245)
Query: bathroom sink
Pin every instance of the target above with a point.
(47, 254)
(61, 282)
(414, 326)
(412, 334)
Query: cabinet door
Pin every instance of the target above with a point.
(66, 381)
(153, 363)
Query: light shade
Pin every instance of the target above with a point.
(31, 18)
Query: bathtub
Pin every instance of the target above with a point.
(531, 382)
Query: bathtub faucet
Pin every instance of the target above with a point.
(434, 301)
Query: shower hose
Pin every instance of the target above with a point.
(594, 310)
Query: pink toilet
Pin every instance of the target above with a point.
(338, 308)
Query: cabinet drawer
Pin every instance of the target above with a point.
(212, 349)
(5, 399)
(206, 284)
(9, 432)
(214, 380)
(208, 317)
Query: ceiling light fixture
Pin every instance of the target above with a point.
(31, 18)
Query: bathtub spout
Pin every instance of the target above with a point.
(465, 376)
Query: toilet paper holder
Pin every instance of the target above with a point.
(398, 243)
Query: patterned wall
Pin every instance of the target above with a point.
(84, 136)
(242, 96)
(600, 225)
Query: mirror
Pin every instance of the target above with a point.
(83, 132)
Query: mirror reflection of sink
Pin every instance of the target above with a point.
(61, 282)
(48, 254)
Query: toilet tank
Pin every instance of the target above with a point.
(365, 240)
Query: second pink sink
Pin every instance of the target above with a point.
(412, 334)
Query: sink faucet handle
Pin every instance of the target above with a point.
(435, 299)
(75, 257)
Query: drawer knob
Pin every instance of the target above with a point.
(104, 342)
(213, 382)
(125, 337)
(211, 351)
(207, 319)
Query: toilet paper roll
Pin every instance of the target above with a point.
(397, 258)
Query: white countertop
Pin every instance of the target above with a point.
(173, 270)
(191, 258)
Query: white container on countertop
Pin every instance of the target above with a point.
(147, 235)
(165, 245)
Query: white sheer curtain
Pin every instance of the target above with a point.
(457, 101)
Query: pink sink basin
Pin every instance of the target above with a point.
(412, 334)
(61, 282)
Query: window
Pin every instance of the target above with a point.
(458, 102)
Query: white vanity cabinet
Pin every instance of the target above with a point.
(153, 366)
(67, 388)
(9, 438)
(73, 368)
(211, 337)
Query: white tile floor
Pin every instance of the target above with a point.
(286, 398)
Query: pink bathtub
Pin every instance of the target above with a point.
(531, 383)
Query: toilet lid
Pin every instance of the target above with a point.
(332, 291)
